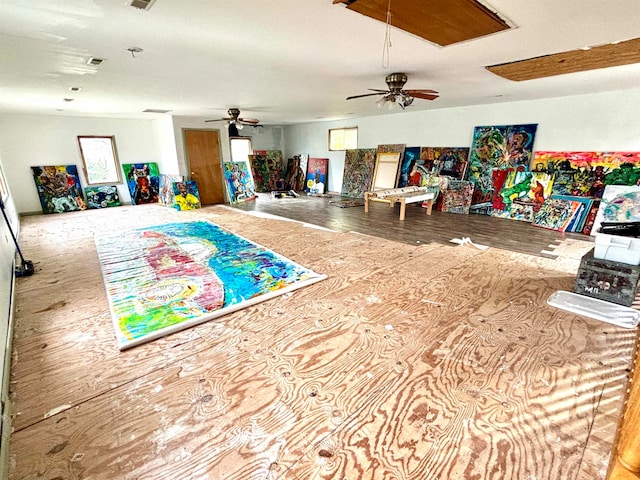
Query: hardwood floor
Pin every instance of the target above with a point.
(428, 361)
(418, 228)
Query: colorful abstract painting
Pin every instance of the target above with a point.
(165, 195)
(58, 188)
(497, 147)
(457, 197)
(267, 170)
(585, 174)
(170, 277)
(579, 221)
(358, 172)
(620, 204)
(186, 195)
(102, 197)
(556, 214)
(317, 175)
(239, 183)
(143, 180)
(449, 161)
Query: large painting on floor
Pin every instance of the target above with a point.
(169, 277)
(58, 188)
(143, 180)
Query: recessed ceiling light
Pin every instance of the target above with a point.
(75, 89)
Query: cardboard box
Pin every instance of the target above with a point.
(607, 280)
(618, 248)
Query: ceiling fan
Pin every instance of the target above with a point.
(235, 120)
(396, 95)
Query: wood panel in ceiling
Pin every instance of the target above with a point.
(437, 21)
(603, 56)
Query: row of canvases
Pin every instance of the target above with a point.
(500, 175)
(59, 189)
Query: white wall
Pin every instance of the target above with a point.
(599, 122)
(31, 140)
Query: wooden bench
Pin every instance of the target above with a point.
(402, 196)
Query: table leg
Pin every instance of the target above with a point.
(402, 208)
(429, 206)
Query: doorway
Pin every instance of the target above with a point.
(202, 149)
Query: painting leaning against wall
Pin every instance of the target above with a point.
(58, 188)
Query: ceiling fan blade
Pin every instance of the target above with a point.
(249, 120)
(218, 120)
(423, 94)
(366, 95)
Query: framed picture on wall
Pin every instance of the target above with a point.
(99, 159)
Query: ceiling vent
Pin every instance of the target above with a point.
(94, 62)
(141, 4)
(155, 110)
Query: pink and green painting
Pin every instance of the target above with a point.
(166, 278)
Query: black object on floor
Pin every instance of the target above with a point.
(25, 268)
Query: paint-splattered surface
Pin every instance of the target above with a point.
(168, 277)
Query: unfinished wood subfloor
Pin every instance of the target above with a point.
(408, 362)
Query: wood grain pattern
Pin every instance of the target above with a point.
(420, 361)
(601, 56)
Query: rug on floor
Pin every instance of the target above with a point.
(356, 202)
(166, 278)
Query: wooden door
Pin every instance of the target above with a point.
(202, 148)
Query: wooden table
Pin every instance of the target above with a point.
(402, 196)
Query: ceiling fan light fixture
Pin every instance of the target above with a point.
(239, 126)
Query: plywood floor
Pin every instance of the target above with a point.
(409, 361)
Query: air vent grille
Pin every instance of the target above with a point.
(155, 110)
(93, 61)
(141, 4)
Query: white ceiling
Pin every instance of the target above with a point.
(281, 61)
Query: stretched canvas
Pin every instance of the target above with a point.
(498, 147)
(385, 173)
(522, 194)
(620, 204)
(294, 175)
(358, 172)
(143, 180)
(579, 220)
(556, 214)
(58, 188)
(165, 194)
(585, 174)
(102, 197)
(449, 161)
(239, 183)
(186, 195)
(457, 197)
(170, 277)
(317, 175)
(260, 172)
(410, 157)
